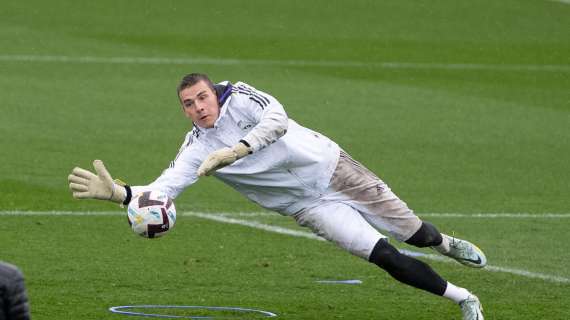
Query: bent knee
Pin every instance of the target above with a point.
(426, 236)
(385, 255)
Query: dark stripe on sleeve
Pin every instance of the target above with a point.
(262, 97)
(261, 104)
(254, 96)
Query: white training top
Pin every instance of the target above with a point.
(290, 167)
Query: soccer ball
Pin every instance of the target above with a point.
(151, 214)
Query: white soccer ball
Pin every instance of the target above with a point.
(151, 214)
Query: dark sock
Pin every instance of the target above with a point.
(406, 269)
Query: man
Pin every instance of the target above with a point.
(13, 298)
(243, 137)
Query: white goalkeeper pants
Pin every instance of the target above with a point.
(357, 207)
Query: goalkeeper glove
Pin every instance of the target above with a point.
(86, 185)
(223, 157)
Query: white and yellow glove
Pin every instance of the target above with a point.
(86, 185)
(223, 157)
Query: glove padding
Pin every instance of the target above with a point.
(86, 185)
(222, 157)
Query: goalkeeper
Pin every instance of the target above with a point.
(243, 137)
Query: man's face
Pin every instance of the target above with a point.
(200, 104)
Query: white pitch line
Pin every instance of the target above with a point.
(223, 217)
(284, 63)
(256, 225)
(270, 228)
(436, 215)
(520, 272)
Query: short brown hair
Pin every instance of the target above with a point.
(193, 78)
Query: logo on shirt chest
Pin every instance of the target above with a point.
(244, 125)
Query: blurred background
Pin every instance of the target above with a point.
(460, 106)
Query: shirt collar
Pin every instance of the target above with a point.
(223, 92)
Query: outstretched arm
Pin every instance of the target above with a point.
(100, 185)
(85, 184)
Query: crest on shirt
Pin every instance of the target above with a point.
(244, 125)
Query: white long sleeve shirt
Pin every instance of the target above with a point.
(290, 167)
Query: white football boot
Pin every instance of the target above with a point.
(471, 308)
(464, 252)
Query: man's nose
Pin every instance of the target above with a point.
(199, 105)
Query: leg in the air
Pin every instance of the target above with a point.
(463, 251)
(406, 269)
(426, 236)
(418, 274)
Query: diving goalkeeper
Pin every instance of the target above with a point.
(243, 137)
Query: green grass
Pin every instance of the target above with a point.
(488, 139)
(98, 263)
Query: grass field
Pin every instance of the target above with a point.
(461, 106)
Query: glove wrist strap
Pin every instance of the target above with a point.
(245, 143)
(242, 149)
(129, 195)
